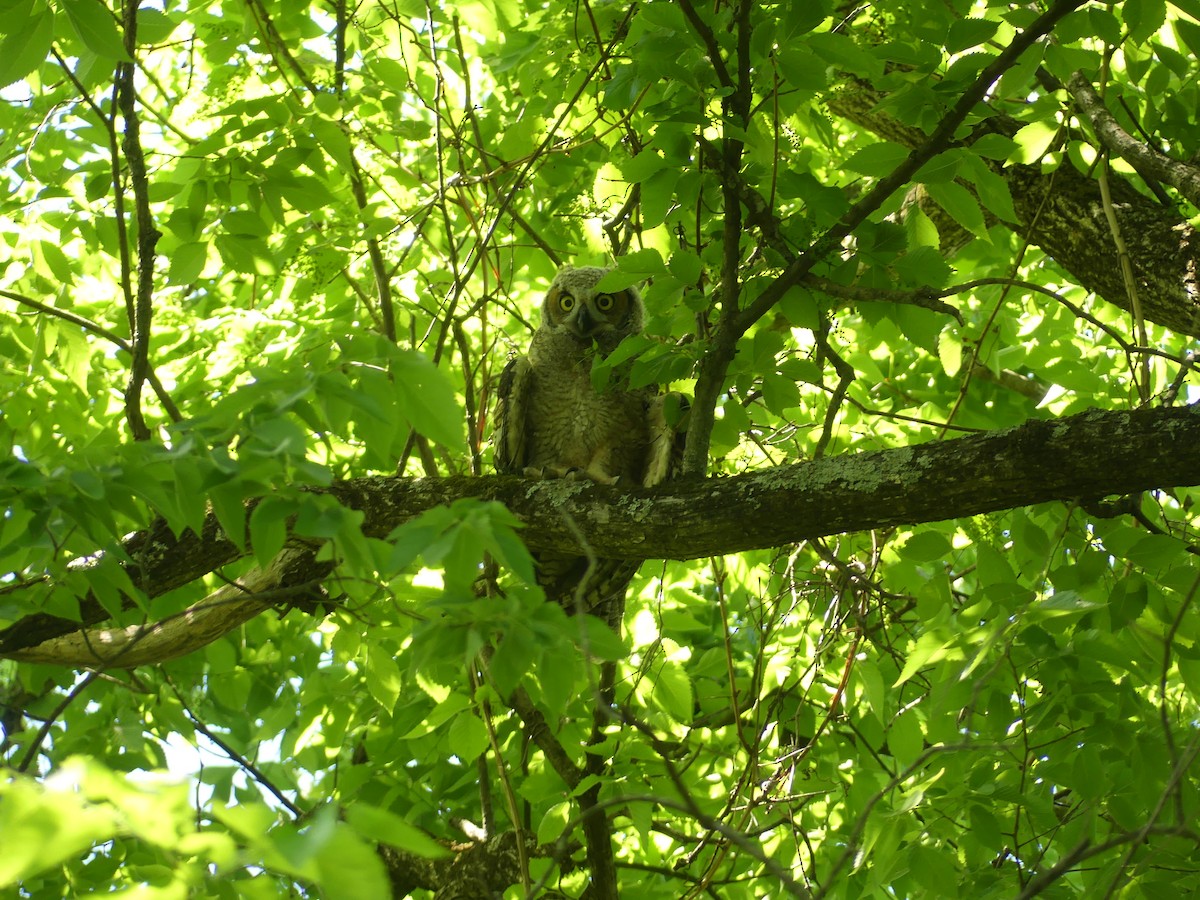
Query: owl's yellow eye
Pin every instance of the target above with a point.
(566, 302)
(604, 302)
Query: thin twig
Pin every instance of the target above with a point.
(100, 331)
(229, 751)
(36, 743)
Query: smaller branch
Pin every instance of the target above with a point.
(938, 141)
(852, 842)
(735, 106)
(1171, 394)
(78, 689)
(732, 835)
(1033, 388)
(1164, 715)
(67, 316)
(277, 46)
(483, 708)
(1086, 850)
(724, 345)
(923, 296)
(339, 47)
(1149, 162)
(846, 374)
(522, 179)
(250, 767)
(540, 734)
(174, 636)
(147, 234)
(1142, 377)
(710, 43)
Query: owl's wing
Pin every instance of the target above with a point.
(512, 408)
(667, 417)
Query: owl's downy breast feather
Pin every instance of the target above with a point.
(569, 412)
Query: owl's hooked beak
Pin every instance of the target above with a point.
(586, 326)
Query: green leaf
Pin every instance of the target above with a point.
(643, 165)
(1144, 18)
(633, 268)
(97, 28)
(877, 159)
(844, 53)
(1127, 600)
(349, 868)
(442, 713)
(992, 188)
(927, 546)
(1067, 602)
(672, 691)
(321, 516)
(658, 197)
(187, 262)
(801, 18)
(377, 824)
(962, 207)
(802, 68)
(468, 736)
(994, 146)
(154, 26)
(967, 33)
(685, 265)
(1189, 34)
(602, 642)
(26, 46)
(228, 503)
(42, 830)
(1033, 141)
(942, 168)
(427, 399)
(510, 661)
(383, 676)
(928, 649)
(554, 822)
(1156, 550)
(905, 738)
(779, 393)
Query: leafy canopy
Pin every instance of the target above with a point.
(250, 249)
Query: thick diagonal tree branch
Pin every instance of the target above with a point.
(1086, 456)
(1184, 177)
(734, 324)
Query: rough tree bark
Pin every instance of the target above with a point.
(1086, 456)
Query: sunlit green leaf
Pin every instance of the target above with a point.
(377, 824)
(96, 26)
(24, 48)
(427, 399)
(283, 325)
(876, 159)
(468, 736)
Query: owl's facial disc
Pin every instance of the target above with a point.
(581, 318)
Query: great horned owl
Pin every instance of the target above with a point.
(552, 422)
